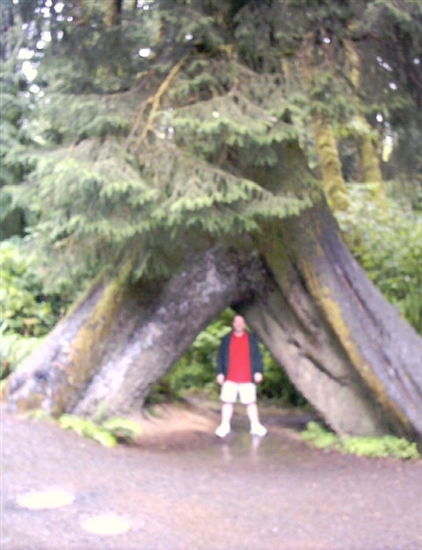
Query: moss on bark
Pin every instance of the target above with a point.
(371, 171)
(88, 347)
(331, 171)
(369, 159)
(56, 374)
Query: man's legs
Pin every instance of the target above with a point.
(226, 416)
(256, 427)
(248, 398)
(253, 415)
(226, 413)
(228, 396)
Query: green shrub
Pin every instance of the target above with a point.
(376, 447)
(379, 447)
(25, 309)
(27, 312)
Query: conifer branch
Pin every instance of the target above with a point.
(155, 100)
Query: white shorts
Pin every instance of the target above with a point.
(231, 390)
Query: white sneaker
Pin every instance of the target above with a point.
(258, 429)
(222, 430)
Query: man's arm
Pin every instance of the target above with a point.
(256, 359)
(221, 361)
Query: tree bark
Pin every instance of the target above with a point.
(56, 374)
(123, 337)
(345, 347)
(185, 305)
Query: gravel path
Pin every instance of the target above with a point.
(183, 489)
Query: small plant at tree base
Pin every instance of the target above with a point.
(123, 429)
(319, 437)
(88, 429)
(375, 447)
(109, 433)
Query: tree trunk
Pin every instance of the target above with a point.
(175, 315)
(122, 338)
(343, 345)
(114, 12)
(369, 159)
(371, 170)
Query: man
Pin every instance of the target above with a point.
(239, 369)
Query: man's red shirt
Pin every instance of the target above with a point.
(239, 359)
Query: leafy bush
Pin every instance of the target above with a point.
(24, 307)
(376, 447)
(388, 245)
(87, 428)
(27, 312)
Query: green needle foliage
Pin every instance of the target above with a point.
(161, 150)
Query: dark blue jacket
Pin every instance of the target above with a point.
(223, 355)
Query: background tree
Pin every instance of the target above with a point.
(172, 157)
(392, 37)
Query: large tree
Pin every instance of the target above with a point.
(172, 153)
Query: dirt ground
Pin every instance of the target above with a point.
(181, 488)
